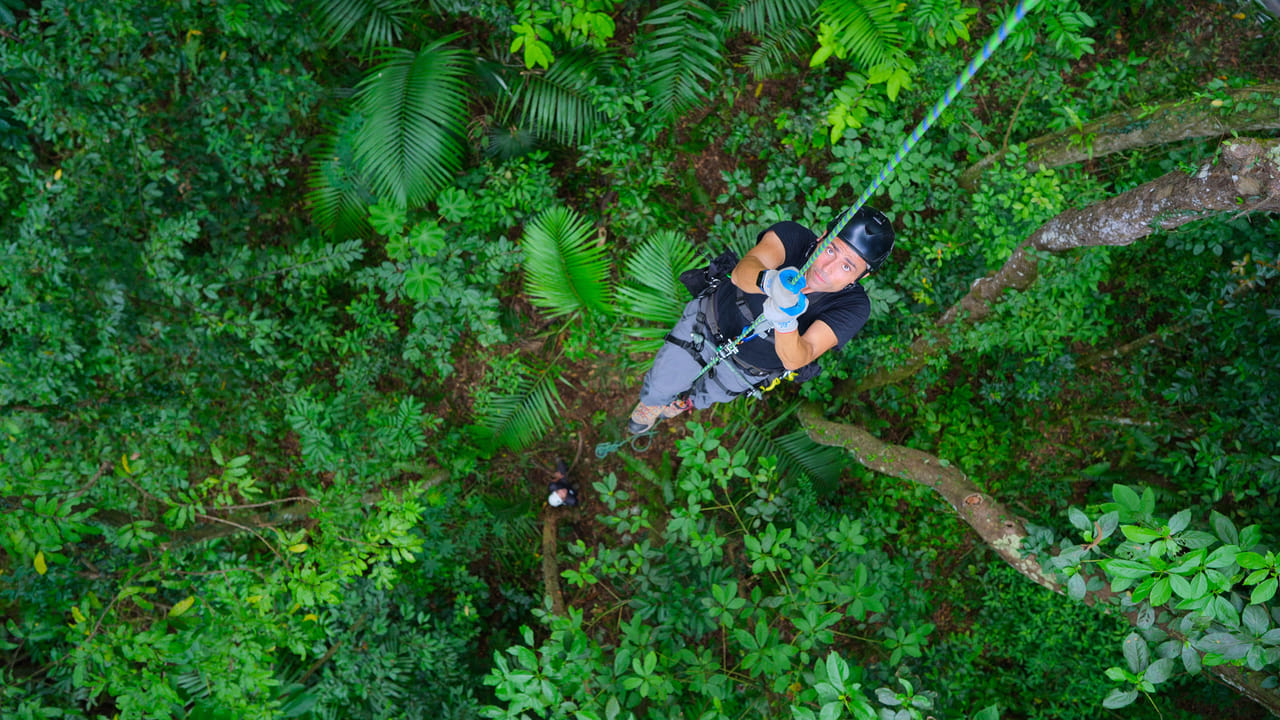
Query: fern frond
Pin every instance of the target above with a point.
(797, 454)
(822, 463)
(565, 270)
(555, 104)
(872, 30)
(761, 17)
(681, 51)
(505, 143)
(778, 52)
(383, 20)
(337, 195)
(415, 115)
(517, 418)
(652, 292)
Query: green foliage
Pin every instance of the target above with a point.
(776, 52)
(383, 20)
(566, 268)
(339, 196)
(652, 291)
(556, 104)
(764, 17)
(520, 410)
(413, 106)
(870, 31)
(698, 631)
(680, 49)
(1016, 653)
(1210, 590)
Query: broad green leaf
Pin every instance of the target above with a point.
(427, 238)
(1140, 534)
(423, 281)
(1225, 529)
(1263, 592)
(1079, 519)
(182, 606)
(1127, 498)
(1251, 560)
(1126, 569)
(1159, 671)
(1119, 698)
(1161, 591)
(1136, 653)
(1076, 587)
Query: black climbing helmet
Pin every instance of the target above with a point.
(870, 234)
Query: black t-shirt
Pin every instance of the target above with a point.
(845, 311)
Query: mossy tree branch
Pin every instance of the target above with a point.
(1242, 110)
(1246, 178)
(998, 526)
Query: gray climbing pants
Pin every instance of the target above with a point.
(674, 367)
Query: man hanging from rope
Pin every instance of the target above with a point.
(797, 327)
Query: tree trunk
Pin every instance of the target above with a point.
(998, 526)
(1245, 179)
(550, 566)
(1249, 109)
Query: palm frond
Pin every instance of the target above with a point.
(383, 20)
(517, 418)
(565, 270)
(872, 30)
(652, 292)
(761, 17)
(681, 51)
(555, 104)
(414, 109)
(822, 463)
(797, 454)
(778, 51)
(505, 143)
(337, 194)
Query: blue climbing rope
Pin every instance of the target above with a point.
(988, 48)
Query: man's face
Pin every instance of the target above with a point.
(835, 268)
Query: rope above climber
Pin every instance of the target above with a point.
(794, 316)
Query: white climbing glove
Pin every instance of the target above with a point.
(784, 319)
(783, 286)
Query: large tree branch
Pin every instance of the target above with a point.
(1246, 178)
(998, 526)
(1247, 110)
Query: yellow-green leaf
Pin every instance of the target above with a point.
(299, 548)
(182, 606)
(75, 613)
(41, 567)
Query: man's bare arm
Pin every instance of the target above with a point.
(768, 254)
(796, 350)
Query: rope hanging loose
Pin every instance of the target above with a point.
(605, 448)
(988, 48)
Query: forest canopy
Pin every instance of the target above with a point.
(301, 303)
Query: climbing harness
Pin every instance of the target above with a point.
(727, 350)
(988, 48)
